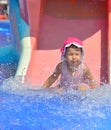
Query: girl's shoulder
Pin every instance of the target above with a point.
(86, 69)
(59, 65)
(84, 65)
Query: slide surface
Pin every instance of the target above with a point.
(50, 23)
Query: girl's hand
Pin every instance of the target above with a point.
(57, 89)
(83, 86)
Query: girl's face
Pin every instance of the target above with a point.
(73, 55)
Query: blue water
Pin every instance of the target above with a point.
(24, 108)
(5, 36)
(8, 56)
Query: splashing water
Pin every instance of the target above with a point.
(44, 109)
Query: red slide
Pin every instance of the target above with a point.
(52, 21)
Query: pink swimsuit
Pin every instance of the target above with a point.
(69, 81)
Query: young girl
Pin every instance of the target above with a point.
(74, 73)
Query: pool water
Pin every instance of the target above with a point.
(24, 108)
(8, 54)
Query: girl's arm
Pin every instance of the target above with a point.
(53, 77)
(89, 77)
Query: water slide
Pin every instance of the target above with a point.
(40, 27)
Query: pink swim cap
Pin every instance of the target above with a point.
(71, 41)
